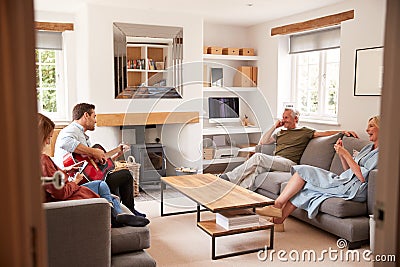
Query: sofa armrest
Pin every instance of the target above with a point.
(265, 149)
(78, 232)
(372, 179)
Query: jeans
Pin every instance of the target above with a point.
(101, 188)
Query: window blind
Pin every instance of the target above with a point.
(316, 40)
(49, 40)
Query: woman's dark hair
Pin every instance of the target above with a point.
(80, 109)
(45, 126)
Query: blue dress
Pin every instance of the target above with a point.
(322, 184)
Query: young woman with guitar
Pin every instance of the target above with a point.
(71, 189)
(72, 139)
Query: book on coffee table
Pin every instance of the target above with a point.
(235, 219)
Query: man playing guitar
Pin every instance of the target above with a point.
(73, 139)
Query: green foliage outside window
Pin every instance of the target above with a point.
(48, 101)
(46, 80)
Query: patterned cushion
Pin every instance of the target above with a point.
(319, 151)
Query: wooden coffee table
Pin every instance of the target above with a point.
(217, 195)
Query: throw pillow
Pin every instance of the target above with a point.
(319, 151)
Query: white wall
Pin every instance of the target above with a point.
(226, 36)
(365, 30)
(93, 75)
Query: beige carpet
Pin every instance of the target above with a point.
(177, 241)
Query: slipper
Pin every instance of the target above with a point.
(270, 211)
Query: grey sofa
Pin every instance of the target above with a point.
(79, 233)
(344, 218)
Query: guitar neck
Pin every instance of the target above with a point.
(112, 152)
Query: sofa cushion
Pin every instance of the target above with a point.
(126, 239)
(271, 181)
(349, 143)
(341, 208)
(319, 151)
(352, 229)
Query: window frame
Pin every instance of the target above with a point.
(322, 114)
(62, 98)
(61, 90)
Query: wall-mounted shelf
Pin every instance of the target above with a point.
(229, 57)
(230, 130)
(239, 79)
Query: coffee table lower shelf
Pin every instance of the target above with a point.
(215, 230)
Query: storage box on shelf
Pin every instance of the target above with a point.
(230, 51)
(217, 50)
(232, 65)
(246, 77)
(246, 51)
(208, 153)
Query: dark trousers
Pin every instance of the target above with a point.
(121, 184)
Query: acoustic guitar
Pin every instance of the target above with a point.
(94, 170)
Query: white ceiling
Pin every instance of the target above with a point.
(233, 12)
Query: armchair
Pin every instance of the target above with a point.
(79, 233)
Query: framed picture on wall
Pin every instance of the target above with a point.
(368, 78)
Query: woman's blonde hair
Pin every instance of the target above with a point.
(45, 126)
(376, 120)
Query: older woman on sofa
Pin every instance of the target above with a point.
(72, 190)
(310, 186)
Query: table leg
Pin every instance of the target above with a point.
(198, 212)
(162, 187)
(216, 257)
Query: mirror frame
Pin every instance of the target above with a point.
(368, 75)
(121, 33)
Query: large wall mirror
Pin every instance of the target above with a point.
(147, 61)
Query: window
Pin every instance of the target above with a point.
(315, 74)
(49, 75)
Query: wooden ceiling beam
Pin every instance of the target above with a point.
(313, 24)
(53, 26)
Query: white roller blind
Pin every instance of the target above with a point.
(49, 40)
(316, 40)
